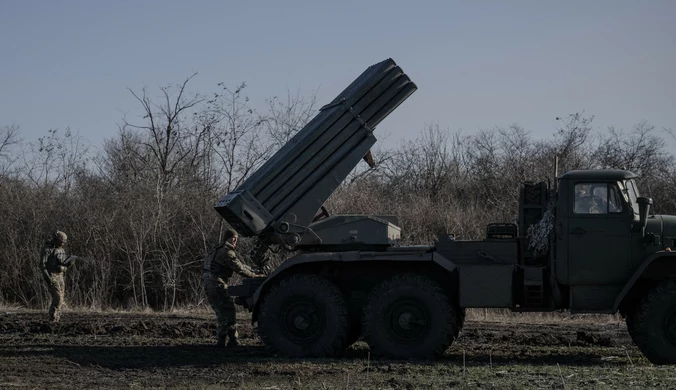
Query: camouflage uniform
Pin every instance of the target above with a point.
(218, 268)
(52, 260)
(590, 205)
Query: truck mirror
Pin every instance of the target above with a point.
(643, 209)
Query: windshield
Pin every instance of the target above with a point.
(631, 195)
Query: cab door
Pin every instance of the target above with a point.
(598, 235)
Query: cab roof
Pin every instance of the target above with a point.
(598, 174)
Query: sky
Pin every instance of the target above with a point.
(477, 64)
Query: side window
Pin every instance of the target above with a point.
(597, 198)
(614, 199)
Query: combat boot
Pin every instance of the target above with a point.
(221, 342)
(233, 336)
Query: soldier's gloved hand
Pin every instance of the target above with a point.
(70, 261)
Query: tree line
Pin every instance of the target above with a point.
(139, 210)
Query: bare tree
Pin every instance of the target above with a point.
(639, 150)
(9, 137)
(168, 125)
(570, 141)
(285, 117)
(238, 142)
(55, 159)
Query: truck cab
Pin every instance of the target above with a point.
(612, 255)
(600, 241)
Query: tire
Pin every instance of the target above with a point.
(653, 328)
(304, 316)
(409, 316)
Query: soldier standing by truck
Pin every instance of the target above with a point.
(219, 266)
(53, 264)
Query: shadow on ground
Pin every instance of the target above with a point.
(149, 357)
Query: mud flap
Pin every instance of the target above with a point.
(244, 293)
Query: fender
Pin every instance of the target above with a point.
(659, 255)
(420, 254)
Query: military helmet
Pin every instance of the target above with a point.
(60, 236)
(229, 233)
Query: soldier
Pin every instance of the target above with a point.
(53, 264)
(218, 268)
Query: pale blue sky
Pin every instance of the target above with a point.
(477, 64)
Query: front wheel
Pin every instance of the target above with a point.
(653, 326)
(409, 316)
(304, 316)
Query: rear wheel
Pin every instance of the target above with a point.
(304, 316)
(653, 327)
(409, 316)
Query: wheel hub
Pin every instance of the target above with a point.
(302, 320)
(301, 323)
(407, 320)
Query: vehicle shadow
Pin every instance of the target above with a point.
(143, 357)
(157, 357)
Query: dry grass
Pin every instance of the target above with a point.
(504, 315)
(187, 311)
(483, 315)
(10, 306)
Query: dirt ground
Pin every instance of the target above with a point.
(127, 350)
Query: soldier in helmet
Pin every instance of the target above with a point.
(219, 266)
(53, 264)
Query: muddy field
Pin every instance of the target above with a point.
(124, 350)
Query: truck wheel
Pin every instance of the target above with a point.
(654, 325)
(409, 316)
(304, 316)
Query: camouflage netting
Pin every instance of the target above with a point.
(538, 234)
